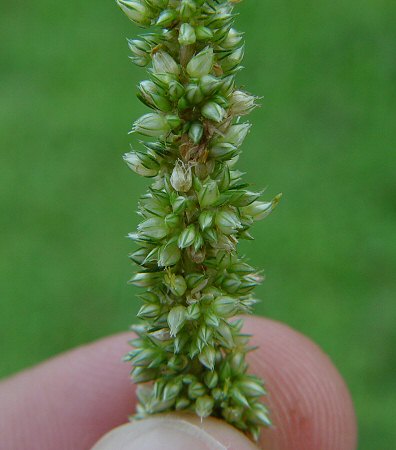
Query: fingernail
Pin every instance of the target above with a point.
(159, 433)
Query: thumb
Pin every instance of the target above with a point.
(175, 432)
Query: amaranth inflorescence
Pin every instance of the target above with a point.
(189, 354)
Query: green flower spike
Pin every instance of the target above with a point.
(189, 353)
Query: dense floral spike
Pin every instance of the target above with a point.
(189, 354)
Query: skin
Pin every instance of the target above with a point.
(70, 401)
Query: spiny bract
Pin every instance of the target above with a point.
(188, 354)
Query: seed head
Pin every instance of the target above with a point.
(190, 350)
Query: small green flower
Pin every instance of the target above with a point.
(203, 33)
(181, 178)
(242, 103)
(234, 39)
(201, 64)
(137, 11)
(187, 9)
(227, 221)
(153, 97)
(209, 194)
(151, 124)
(196, 390)
(164, 63)
(194, 94)
(176, 319)
(206, 219)
(225, 306)
(210, 85)
(223, 151)
(236, 134)
(176, 90)
(176, 284)
(168, 255)
(195, 132)
(187, 34)
(149, 311)
(140, 52)
(204, 406)
(143, 280)
(231, 62)
(166, 18)
(259, 210)
(213, 111)
(211, 379)
(142, 163)
(187, 237)
(208, 357)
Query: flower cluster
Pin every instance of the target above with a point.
(189, 354)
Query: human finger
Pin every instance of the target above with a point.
(310, 404)
(70, 401)
(175, 432)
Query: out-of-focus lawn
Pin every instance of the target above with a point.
(325, 136)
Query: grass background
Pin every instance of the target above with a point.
(324, 137)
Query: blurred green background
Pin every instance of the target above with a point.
(324, 137)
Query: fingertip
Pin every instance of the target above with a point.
(68, 401)
(310, 403)
(175, 432)
(75, 398)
